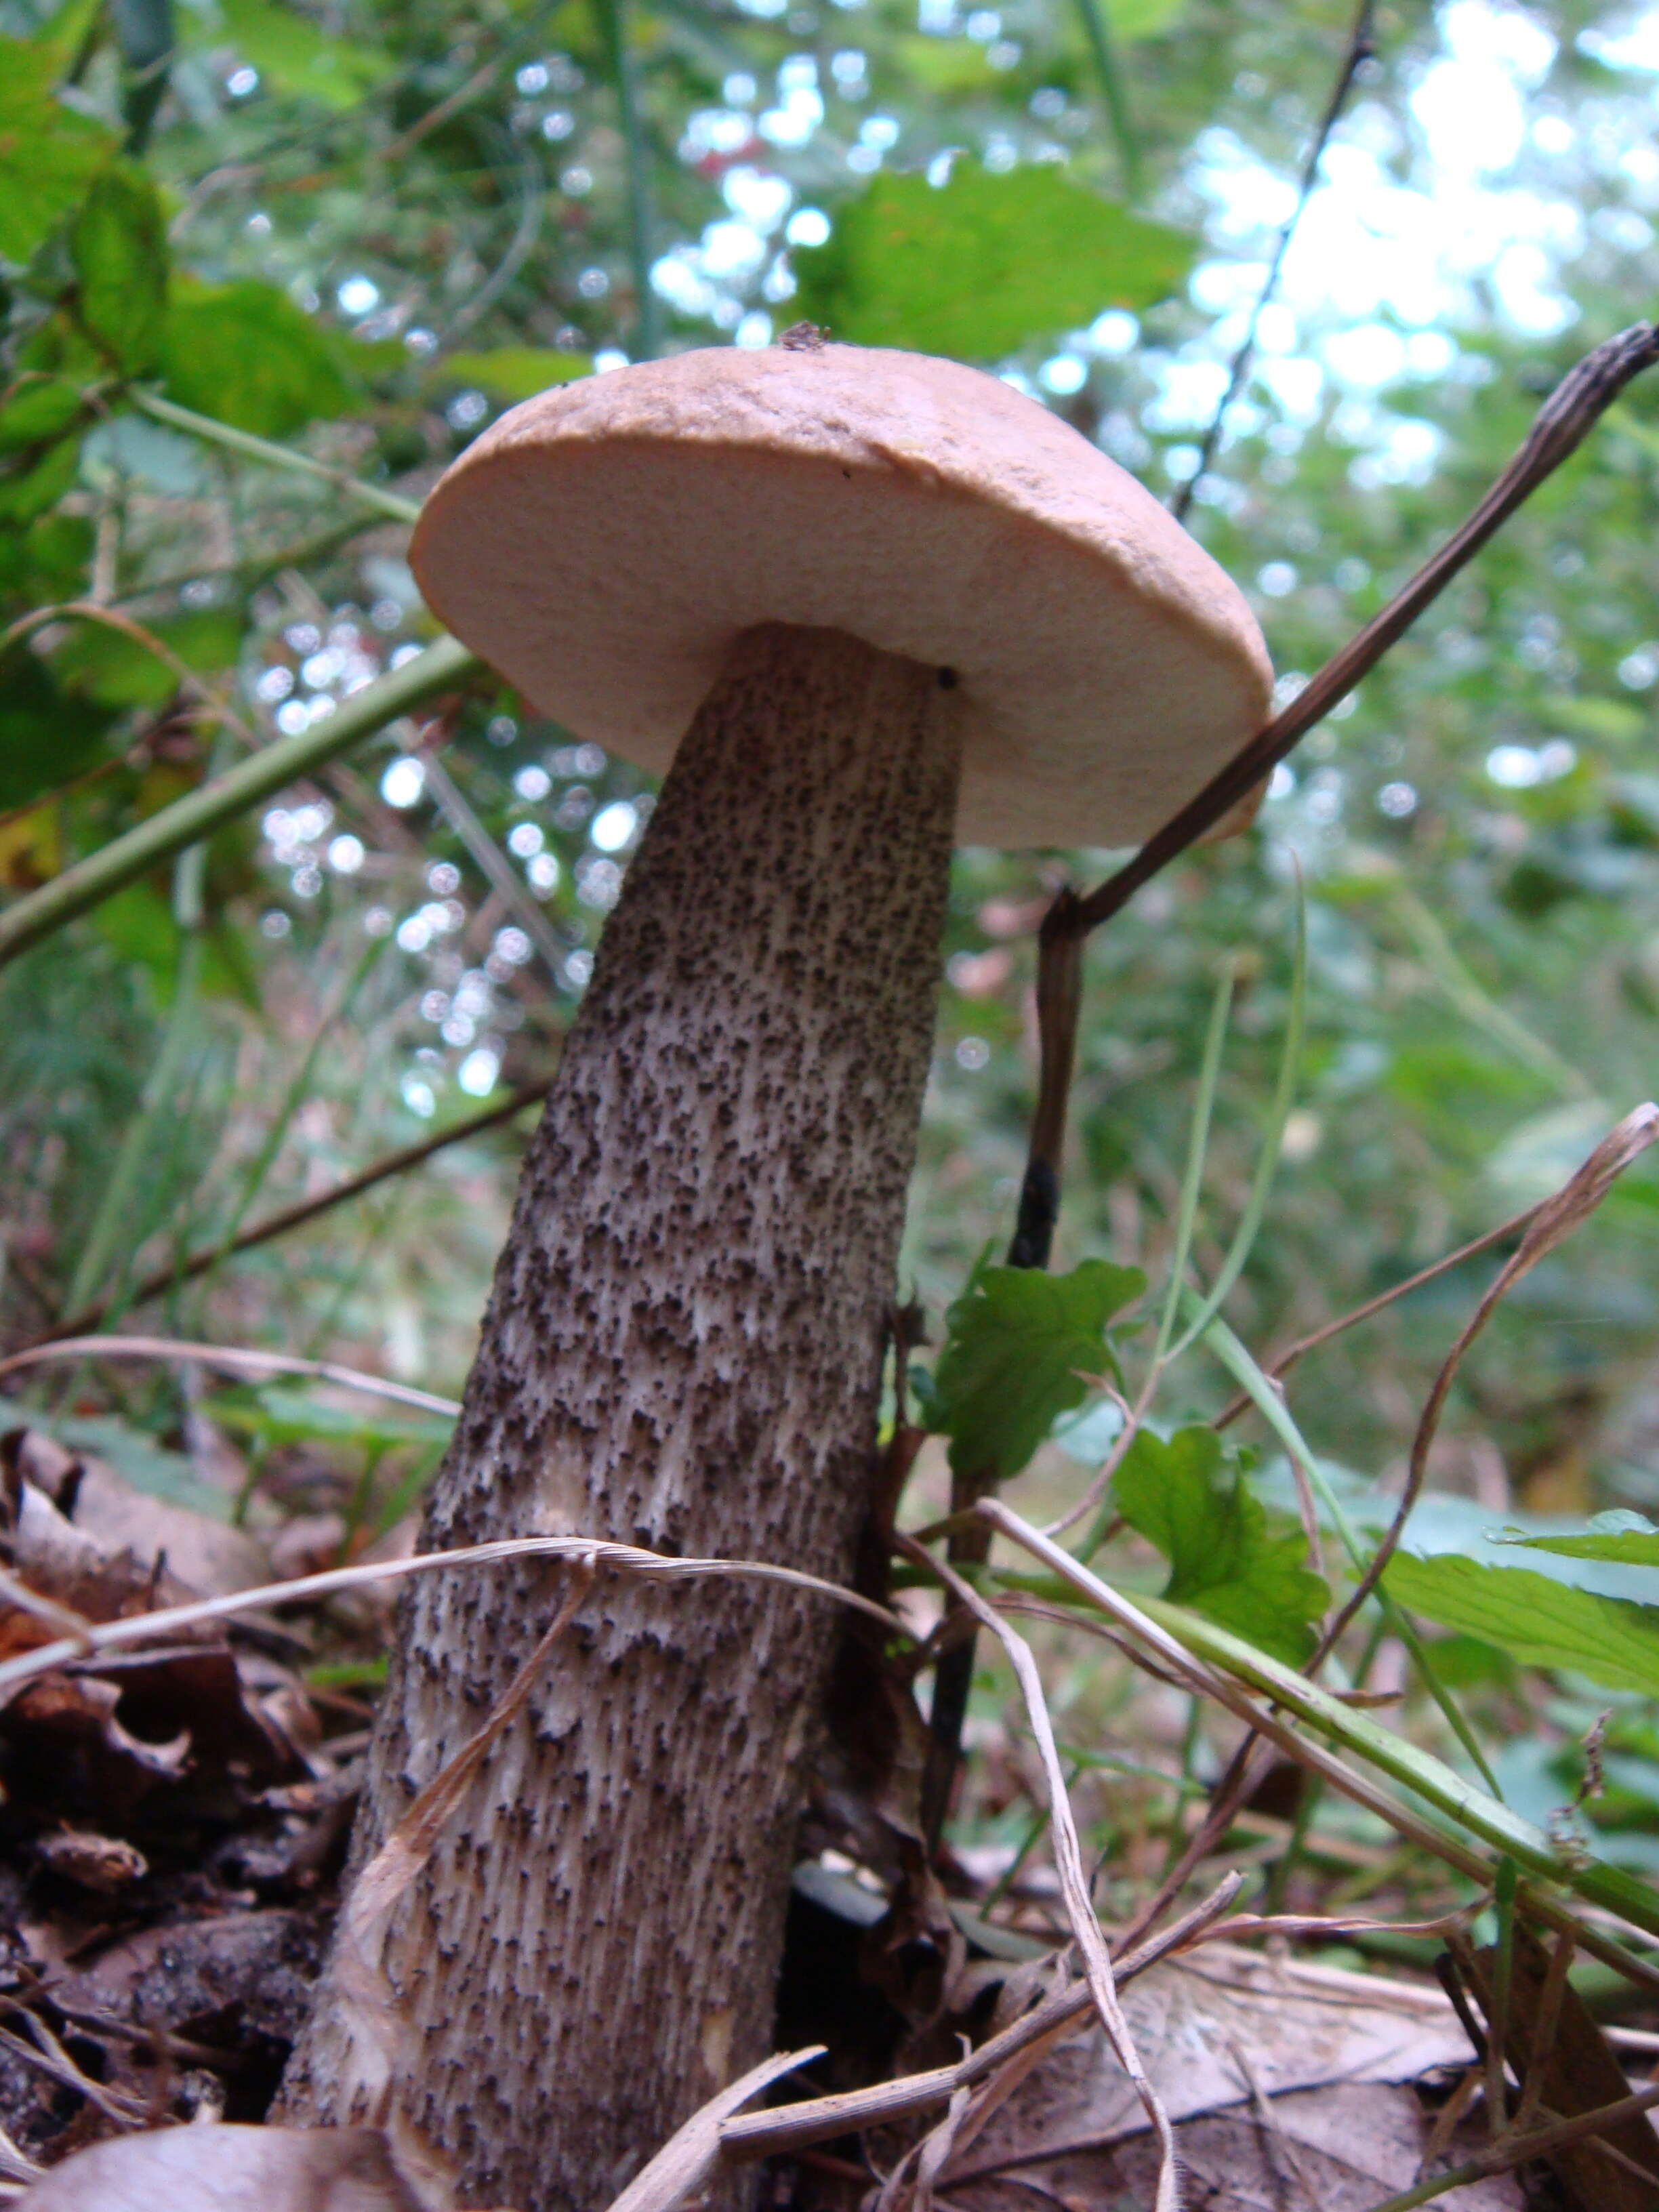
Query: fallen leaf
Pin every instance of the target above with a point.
(218, 2168)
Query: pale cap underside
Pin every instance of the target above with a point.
(602, 546)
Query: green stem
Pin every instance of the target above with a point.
(1492, 1822)
(612, 22)
(274, 456)
(157, 1097)
(1092, 15)
(442, 667)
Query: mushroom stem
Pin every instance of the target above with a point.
(683, 1350)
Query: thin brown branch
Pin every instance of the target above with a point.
(1517, 2149)
(1555, 1219)
(1362, 45)
(1566, 419)
(295, 1217)
(1286, 1360)
(820, 2119)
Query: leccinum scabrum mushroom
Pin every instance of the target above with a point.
(860, 606)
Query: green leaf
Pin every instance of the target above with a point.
(49, 154)
(1627, 1539)
(285, 1413)
(982, 264)
(1539, 1622)
(39, 484)
(1192, 1502)
(1017, 1348)
(47, 738)
(1142, 19)
(119, 248)
(511, 373)
(244, 354)
(36, 411)
(295, 55)
(112, 669)
(45, 563)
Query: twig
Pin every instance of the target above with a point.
(230, 1356)
(293, 1217)
(628, 1558)
(1566, 419)
(1516, 2150)
(1361, 47)
(1281, 1366)
(1059, 997)
(533, 206)
(1555, 1219)
(851, 2109)
(1058, 1002)
(1068, 1862)
(497, 870)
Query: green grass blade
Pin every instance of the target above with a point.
(1237, 1360)
(1290, 1067)
(1192, 1183)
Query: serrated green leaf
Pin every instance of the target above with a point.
(296, 55)
(49, 153)
(1190, 1500)
(35, 411)
(982, 264)
(1018, 1346)
(511, 373)
(246, 354)
(1539, 1622)
(119, 248)
(1627, 1540)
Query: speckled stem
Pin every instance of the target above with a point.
(683, 1350)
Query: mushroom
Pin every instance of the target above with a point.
(859, 605)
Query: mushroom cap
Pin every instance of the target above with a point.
(603, 545)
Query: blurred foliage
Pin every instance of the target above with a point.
(365, 232)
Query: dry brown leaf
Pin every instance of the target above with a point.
(215, 2168)
(1351, 2146)
(1303, 2027)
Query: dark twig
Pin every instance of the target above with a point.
(1059, 997)
(1361, 47)
(292, 1217)
(1566, 419)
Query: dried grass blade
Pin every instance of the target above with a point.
(1068, 1859)
(689, 2156)
(139, 1628)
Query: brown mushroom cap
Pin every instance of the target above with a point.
(602, 546)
